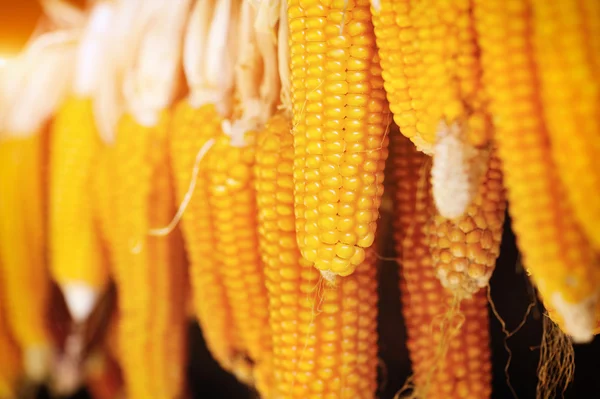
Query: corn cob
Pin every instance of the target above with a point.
(460, 367)
(570, 95)
(324, 340)
(149, 270)
(555, 250)
(192, 130)
(340, 120)
(464, 250)
(10, 361)
(22, 246)
(76, 259)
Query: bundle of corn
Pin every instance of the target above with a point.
(208, 59)
(559, 256)
(77, 263)
(32, 87)
(149, 268)
(340, 120)
(448, 341)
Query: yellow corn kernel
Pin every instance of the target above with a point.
(22, 247)
(191, 130)
(232, 201)
(10, 361)
(324, 337)
(570, 94)
(148, 269)
(464, 250)
(464, 370)
(562, 263)
(340, 124)
(74, 237)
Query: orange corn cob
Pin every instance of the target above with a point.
(191, 130)
(10, 360)
(22, 248)
(568, 63)
(232, 203)
(464, 369)
(75, 242)
(562, 263)
(340, 140)
(324, 337)
(149, 270)
(464, 250)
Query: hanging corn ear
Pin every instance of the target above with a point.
(568, 63)
(324, 337)
(449, 348)
(149, 267)
(76, 256)
(339, 125)
(33, 84)
(464, 250)
(196, 125)
(10, 361)
(563, 265)
(149, 271)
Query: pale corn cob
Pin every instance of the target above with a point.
(569, 73)
(460, 367)
(464, 250)
(562, 263)
(149, 270)
(324, 337)
(340, 121)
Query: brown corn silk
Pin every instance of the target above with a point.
(561, 260)
(448, 341)
(324, 336)
(192, 129)
(567, 54)
(149, 270)
(464, 250)
(75, 244)
(340, 120)
(22, 238)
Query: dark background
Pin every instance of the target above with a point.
(510, 292)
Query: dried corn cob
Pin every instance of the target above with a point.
(570, 94)
(561, 261)
(148, 262)
(10, 361)
(450, 363)
(324, 337)
(196, 124)
(76, 260)
(192, 130)
(22, 245)
(340, 121)
(464, 250)
(149, 271)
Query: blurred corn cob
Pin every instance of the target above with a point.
(449, 348)
(562, 263)
(148, 262)
(340, 120)
(11, 367)
(565, 45)
(32, 86)
(196, 125)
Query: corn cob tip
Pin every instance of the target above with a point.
(36, 361)
(329, 276)
(579, 319)
(80, 299)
